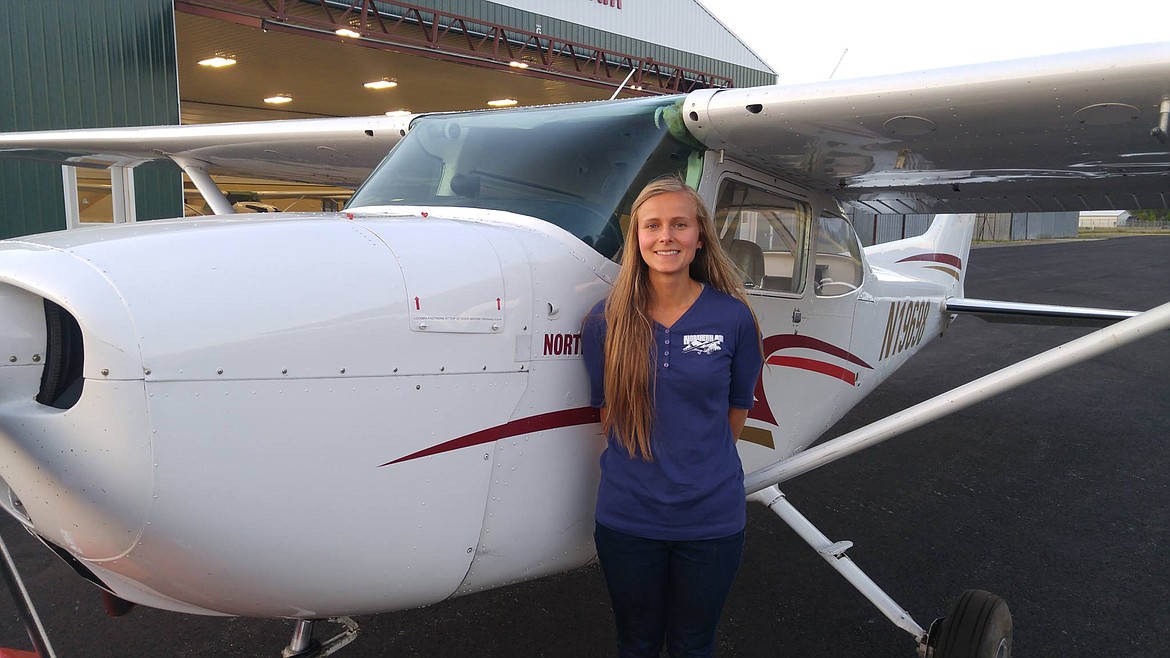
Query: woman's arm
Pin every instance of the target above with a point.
(735, 417)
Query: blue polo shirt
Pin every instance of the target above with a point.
(705, 364)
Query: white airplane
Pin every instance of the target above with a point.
(313, 416)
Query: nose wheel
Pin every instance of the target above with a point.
(978, 625)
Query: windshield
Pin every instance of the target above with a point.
(577, 166)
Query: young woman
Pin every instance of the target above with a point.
(673, 356)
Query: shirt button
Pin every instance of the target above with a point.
(668, 331)
(666, 353)
(668, 341)
(666, 365)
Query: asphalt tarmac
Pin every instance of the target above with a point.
(1054, 496)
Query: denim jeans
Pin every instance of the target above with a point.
(667, 589)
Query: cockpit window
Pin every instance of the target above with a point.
(765, 235)
(578, 166)
(839, 268)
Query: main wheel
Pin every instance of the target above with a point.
(978, 625)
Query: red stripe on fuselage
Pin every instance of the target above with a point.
(946, 259)
(772, 344)
(836, 372)
(586, 415)
(538, 423)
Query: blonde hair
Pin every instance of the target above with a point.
(629, 341)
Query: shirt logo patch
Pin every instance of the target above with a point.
(702, 343)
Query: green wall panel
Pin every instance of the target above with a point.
(92, 64)
(149, 180)
(32, 195)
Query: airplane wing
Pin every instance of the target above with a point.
(330, 151)
(1081, 131)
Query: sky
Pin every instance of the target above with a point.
(804, 41)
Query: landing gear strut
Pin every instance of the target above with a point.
(303, 645)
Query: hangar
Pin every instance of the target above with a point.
(111, 63)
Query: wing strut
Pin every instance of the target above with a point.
(28, 614)
(1163, 121)
(834, 554)
(207, 187)
(1057, 358)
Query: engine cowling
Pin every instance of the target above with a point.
(244, 384)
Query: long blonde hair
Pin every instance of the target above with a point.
(629, 341)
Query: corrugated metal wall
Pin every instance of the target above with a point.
(995, 227)
(84, 65)
(492, 12)
(876, 229)
(989, 227)
(684, 25)
(1045, 225)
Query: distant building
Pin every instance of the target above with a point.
(1103, 219)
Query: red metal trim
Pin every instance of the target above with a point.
(208, 12)
(419, 30)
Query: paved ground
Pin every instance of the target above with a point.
(1054, 496)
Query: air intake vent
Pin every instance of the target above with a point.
(61, 380)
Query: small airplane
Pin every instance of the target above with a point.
(314, 416)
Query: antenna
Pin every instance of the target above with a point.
(617, 91)
(839, 60)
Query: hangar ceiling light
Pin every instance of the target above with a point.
(322, 75)
(381, 84)
(346, 32)
(279, 98)
(219, 61)
(503, 102)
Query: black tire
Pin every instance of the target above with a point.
(978, 625)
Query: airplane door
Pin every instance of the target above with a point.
(834, 282)
(803, 275)
(811, 374)
(835, 278)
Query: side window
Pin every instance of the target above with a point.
(765, 235)
(838, 268)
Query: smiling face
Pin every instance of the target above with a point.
(668, 233)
